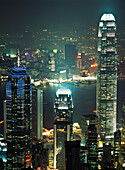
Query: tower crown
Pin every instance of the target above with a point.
(107, 17)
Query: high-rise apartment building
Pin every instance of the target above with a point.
(18, 119)
(62, 125)
(107, 77)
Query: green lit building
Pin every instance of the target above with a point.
(107, 77)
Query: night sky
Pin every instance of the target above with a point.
(59, 14)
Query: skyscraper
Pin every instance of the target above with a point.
(117, 148)
(70, 59)
(37, 113)
(18, 119)
(70, 54)
(62, 125)
(72, 155)
(107, 77)
(123, 121)
(92, 146)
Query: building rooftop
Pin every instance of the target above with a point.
(18, 72)
(63, 91)
(107, 17)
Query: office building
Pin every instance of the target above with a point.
(70, 55)
(122, 160)
(88, 119)
(40, 156)
(52, 62)
(37, 112)
(72, 155)
(117, 148)
(92, 146)
(3, 150)
(123, 120)
(122, 156)
(107, 158)
(107, 77)
(18, 119)
(63, 110)
(1, 164)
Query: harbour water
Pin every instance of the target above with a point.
(84, 101)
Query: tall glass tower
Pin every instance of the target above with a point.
(107, 77)
(63, 109)
(37, 113)
(18, 119)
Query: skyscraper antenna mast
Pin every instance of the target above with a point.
(18, 60)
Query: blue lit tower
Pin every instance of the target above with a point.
(62, 125)
(107, 77)
(18, 119)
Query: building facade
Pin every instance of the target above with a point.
(37, 113)
(72, 155)
(123, 121)
(62, 125)
(117, 148)
(70, 55)
(107, 77)
(18, 119)
(92, 146)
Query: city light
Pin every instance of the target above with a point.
(62, 94)
(1, 122)
(63, 71)
(94, 65)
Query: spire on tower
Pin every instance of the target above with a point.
(18, 59)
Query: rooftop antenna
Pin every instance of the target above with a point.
(18, 60)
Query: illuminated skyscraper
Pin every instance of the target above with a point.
(18, 119)
(117, 148)
(107, 76)
(62, 125)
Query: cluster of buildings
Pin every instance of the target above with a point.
(97, 145)
(45, 53)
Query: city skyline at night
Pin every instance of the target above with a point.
(62, 79)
